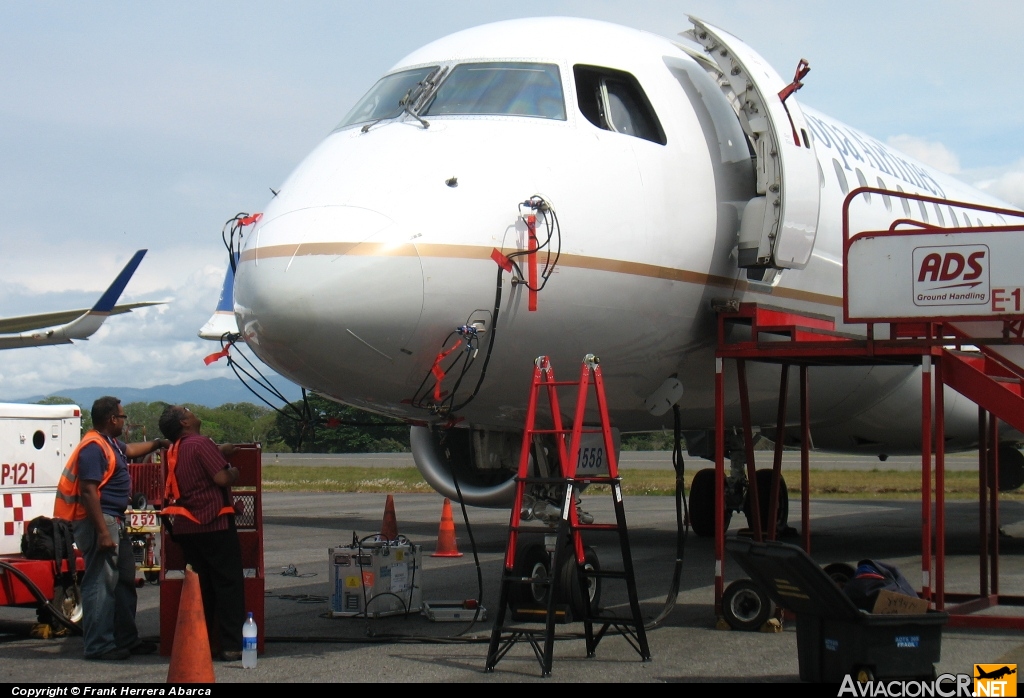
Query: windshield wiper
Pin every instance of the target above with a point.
(416, 98)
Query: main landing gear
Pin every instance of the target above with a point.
(737, 498)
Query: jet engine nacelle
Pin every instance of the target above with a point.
(482, 462)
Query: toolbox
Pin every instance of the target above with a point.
(441, 611)
(374, 579)
(835, 638)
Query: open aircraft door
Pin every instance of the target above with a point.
(778, 226)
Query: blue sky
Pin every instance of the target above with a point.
(127, 125)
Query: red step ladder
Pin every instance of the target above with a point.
(533, 597)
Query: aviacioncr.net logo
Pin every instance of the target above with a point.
(995, 680)
(945, 686)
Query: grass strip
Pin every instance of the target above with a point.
(824, 484)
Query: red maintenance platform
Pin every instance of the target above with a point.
(952, 303)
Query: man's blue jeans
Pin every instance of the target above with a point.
(108, 589)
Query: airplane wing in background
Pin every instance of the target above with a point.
(66, 326)
(222, 322)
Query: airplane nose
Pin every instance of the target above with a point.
(329, 290)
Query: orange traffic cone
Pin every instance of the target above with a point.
(446, 535)
(190, 654)
(389, 527)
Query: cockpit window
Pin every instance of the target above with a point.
(508, 89)
(384, 100)
(613, 100)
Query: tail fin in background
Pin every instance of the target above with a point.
(64, 327)
(222, 321)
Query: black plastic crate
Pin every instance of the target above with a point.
(834, 637)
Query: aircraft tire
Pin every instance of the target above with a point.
(1011, 467)
(702, 504)
(569, 588)
(532, 561)
(746, 606)
(764, 489)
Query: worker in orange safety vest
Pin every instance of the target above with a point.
(93, 493)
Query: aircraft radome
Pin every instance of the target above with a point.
(664, 177)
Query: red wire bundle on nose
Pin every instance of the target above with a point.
(439, 372)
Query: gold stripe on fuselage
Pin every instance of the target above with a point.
(617, 266)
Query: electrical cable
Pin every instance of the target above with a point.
(233, 229)
(682, 519)
(472, 545)
(448, 406)
(44, 602)
(490, 345)
(229, 340)
(553, 229)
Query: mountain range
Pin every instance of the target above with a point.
(209, 393)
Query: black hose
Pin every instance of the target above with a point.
(681, 518)
(41, 598)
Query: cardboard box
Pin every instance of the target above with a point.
(889, 602)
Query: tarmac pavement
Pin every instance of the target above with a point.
(304, 644)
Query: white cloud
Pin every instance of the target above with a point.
(931, 153)
(150, 346)
(1005, 183)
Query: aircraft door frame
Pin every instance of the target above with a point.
(781, 223)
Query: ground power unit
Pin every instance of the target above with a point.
(374, 579)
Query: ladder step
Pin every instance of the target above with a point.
(606, 574)
(541, 480)
(539, 581)
(611, 620)
(597, 527)
(564, 431)
(596, 479)
(539, 614)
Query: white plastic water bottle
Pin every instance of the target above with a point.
(249, 643)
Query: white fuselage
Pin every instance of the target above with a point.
(380, 243)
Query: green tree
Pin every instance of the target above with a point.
(234, 422)
(143, 423)
(60, 400)
(332, 428)
(336, 428)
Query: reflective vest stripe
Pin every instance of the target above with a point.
(175, 510)
(67, 504)
(172, 493)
